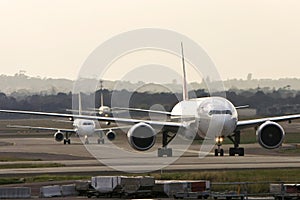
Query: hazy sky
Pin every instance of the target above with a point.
(53, 38)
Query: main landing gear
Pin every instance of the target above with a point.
(236, 150)
(166, 139)
(67, 140)
(100, 140)
(236, 141)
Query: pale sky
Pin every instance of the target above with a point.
(53, 38)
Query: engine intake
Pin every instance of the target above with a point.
(141, 136)
(270, 135)
(111, 135)
(59, 136)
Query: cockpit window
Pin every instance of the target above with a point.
(87, 124)
(220, 112)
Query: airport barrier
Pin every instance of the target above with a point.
(147, 187)
(15, 193)
(50, 191)
(69, 190)
(285, 191)
(122, 184)
(182, 189)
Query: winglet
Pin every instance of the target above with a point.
(184, 84)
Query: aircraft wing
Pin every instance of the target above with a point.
(114, 109)
(142, 110)
(112, 128)
(105, 119)
(42, 128)
(256, 122)
(83, 111)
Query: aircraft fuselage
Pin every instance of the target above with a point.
(215, 116)
(84, 127)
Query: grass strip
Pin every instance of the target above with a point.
(30, 165)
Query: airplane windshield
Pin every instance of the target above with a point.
(87, 123)
(220, 112)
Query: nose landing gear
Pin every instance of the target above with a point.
(219, 150)
(86, 139)
(236, 150)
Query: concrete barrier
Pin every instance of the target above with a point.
(173, 187)
(50, 191)
(15, 193)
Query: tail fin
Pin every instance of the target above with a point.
(101, 100)
(101, 97)
(184, 84)
(79, 104)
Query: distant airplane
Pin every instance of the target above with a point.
(196, 117)
(103, 111)
(81, 127)
(106, 111)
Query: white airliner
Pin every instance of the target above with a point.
(81, 127)
(208, 117)
(106, 111)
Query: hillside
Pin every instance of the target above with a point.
(22, 84)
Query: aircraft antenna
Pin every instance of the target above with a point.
(185, 94)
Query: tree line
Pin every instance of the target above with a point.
(276, 102)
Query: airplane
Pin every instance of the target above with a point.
(106, 111)
(81, 127)
(209, 117)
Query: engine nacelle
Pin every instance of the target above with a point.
(270, 135)
(59, 136)
(111, 135)
(141, 136)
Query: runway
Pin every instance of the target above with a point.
(78, 161)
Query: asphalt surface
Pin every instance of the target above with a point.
(77, 159)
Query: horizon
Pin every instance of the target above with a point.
(177, 81)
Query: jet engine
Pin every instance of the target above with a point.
(270, 135)
(111, 135)
(59, 136)
(141, 136)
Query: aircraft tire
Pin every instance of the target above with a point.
(231, 151)
(169, 153)
(222, 152)
(216, 152)
(241, 152)
(159, 152)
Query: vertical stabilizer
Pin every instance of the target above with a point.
(101, 101)
(184, 83)
(79, 104)
(101, 97)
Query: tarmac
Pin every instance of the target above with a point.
(77, 160)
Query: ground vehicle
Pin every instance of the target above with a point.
(285, 191)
